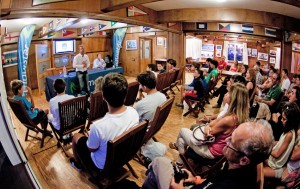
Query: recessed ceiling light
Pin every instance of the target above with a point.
(84, 21)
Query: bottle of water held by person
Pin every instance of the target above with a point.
(65, 71)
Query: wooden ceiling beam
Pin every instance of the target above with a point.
(289, 2)
(112, 5)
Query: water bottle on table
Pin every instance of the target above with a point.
(65, 71)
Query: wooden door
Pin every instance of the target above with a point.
(145, 53)
(43, 62)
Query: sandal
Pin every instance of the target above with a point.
(173, 146)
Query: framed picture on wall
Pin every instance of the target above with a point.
(218, 53)
(131, 44)
(208, 47)
(218, 47)
(262, 56)
(273, 52)
(272, 60)
(254, 52)
(160, 41)
(249, 51)
(207, 54)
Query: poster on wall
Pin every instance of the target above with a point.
(207, 54)
(131, 45)
(272, 60)
(218, 53)
(218, 47)
(239, 52)
(296, 46)
(272, 52)
(207, 47)
(160, 41)
(249, 51)
(254, 52)
(231, 51)
(262, 56)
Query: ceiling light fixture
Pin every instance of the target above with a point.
(84, 21)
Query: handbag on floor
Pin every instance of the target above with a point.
(198, 135)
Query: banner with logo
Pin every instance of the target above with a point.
(117, 43)
(23, 49)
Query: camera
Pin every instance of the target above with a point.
(179, 174)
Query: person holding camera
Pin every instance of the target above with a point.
(249, 145)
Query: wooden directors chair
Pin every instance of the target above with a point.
(119, 152)
(20, 112)
(72, 114)
(199, 103)
(133, 89)
(98, 108)
(161, 114)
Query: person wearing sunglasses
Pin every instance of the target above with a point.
(249, 145)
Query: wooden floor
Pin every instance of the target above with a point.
(53, 169)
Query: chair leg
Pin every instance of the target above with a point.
(132, 170)
(26, 136)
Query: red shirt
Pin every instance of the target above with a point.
(222, 65)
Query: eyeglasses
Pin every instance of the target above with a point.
(229, 145)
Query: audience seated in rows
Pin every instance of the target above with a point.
(234, 66)
(249, 145)
(59, 87)
(213, 71)
(221, 128)
(171, 64)
(224, 88)
(282, 149)
(222, 64)
(198, 89)
(285, 81)
(146, 107)
(274, 92)
(91, 150)
(37, 115)
(98, 84)
(160, 68)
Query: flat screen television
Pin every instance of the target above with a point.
(63, 46)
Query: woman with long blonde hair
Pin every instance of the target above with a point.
(221, 128)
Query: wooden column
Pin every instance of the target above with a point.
(286, 56)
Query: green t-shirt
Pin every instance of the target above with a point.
(273, 93)
(213, 72)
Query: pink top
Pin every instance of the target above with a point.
(216, 148)
(233, 69)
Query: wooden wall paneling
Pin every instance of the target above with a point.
(296, 62)
(235, 15)
(95, 44)
(130, 58)
(286, 55)
(90, 6)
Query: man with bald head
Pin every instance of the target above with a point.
(249, 145)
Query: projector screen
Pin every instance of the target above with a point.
(64, 46)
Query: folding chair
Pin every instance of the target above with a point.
(133, 89)
(199, 165)
(98, 108)
(161, 114)
(199, 103)
(119, 152)
(20, 112)
(73, 115)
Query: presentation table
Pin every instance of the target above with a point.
(72, 84)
